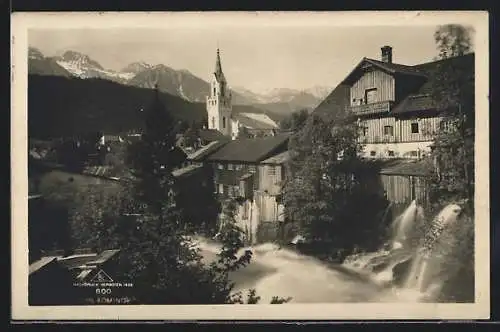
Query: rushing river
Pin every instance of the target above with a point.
(370, 277)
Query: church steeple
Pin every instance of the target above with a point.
(219, 106)
(218, 68)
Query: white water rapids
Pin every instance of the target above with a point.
(369, 277)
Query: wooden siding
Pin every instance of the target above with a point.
(427, 129)
(375, 130)
(383, 82)
(403, 189)
(268, 180)
(269, 209)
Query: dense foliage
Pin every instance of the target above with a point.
(453, 87)
(327, 184)
(145, 220)
(295, 121)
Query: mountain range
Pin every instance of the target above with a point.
(182, 83)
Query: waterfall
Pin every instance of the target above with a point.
(419, 263)
(428, 255)
(424, 249)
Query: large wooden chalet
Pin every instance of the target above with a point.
(398, 118)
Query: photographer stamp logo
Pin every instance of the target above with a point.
(101, 276)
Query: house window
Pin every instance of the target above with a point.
(371, 96)
(213, 121)
(223, 122)
(271, 170)
(230, 167)
(221, 189)
(388, 130)
(390, 153)
(220, 166)
(414, 128)
(215, 92)
(225, 188)
(365, 131)
(372, 153)
(413, 153)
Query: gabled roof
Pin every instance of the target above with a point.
(419, 100)
(185, 171)
(251, 123)
(210, 135)
(250, 149)
(278, 159)
(335, 103)
(422, 98)
(200, 154)
(392, 68)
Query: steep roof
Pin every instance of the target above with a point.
(200, 154)
(418, 100)
(392, 68)
(210, 135)
(250, 149)
(252, 123)
(407, 167)
(278, 159)
(335, 103)
(422, 98)
(185, 171)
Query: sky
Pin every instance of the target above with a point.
(258, 58)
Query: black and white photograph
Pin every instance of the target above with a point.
(231, 161)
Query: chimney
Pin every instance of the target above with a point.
(387, 54)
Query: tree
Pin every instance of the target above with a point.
(326, 187)
(453, 93)
(295, 121)
(145, 222)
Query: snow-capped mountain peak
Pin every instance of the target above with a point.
(136, 67)
(79, 59)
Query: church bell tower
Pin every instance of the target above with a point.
(219, 107)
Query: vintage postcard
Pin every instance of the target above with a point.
(250, 165)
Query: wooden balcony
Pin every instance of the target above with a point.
(373, 108)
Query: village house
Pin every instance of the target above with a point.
(251, 171)
(397, 116)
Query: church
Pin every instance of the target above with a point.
(219, 103)
(220, 115)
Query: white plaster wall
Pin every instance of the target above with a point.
(401, 150)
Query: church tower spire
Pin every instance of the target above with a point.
(219, 107)
(219, 74)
